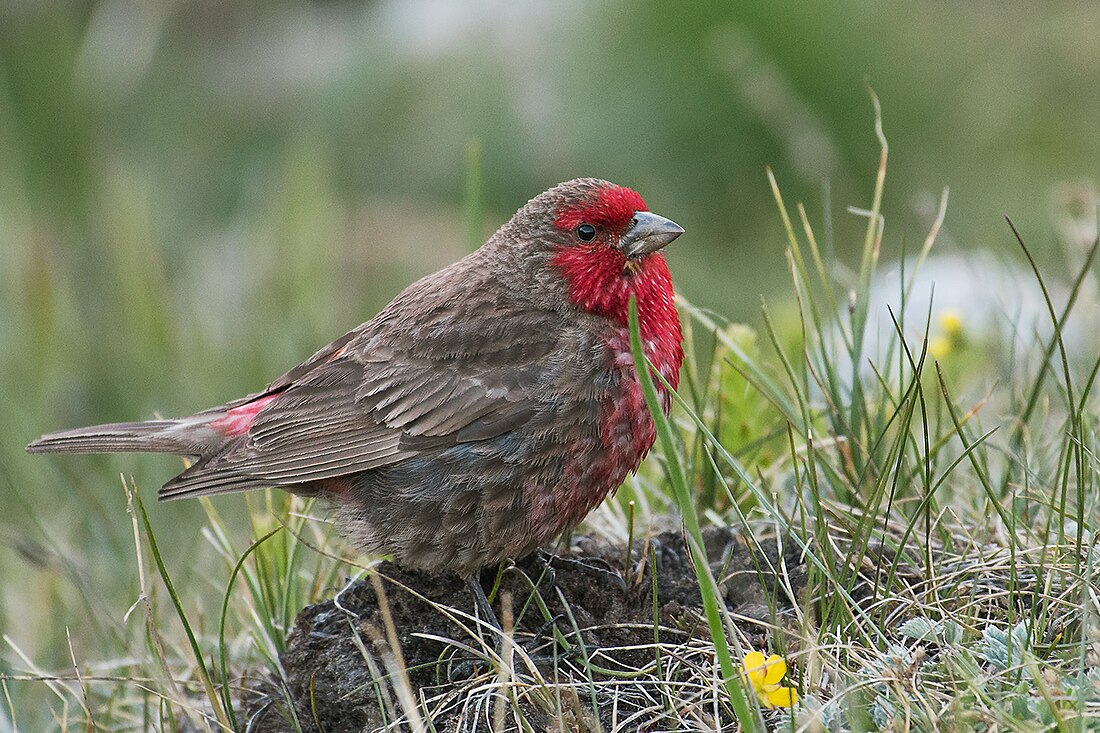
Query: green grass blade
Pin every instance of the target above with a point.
(223, 652)
(746, 714)
(200, 665)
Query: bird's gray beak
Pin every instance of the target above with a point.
(648, 233)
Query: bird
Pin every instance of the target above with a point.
(487, 409)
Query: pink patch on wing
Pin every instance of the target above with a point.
(238, 420)
(613, 206)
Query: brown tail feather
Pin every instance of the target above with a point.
(153, 436)
(186, 437)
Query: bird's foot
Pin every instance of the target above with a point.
(593, 567)
(546, 636)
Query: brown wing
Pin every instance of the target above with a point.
(462, 369)
(354, 414)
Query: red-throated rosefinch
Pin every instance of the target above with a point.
(486, 409)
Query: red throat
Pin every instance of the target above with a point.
(598, 282)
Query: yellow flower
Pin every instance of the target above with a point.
(951, 338)
(939, 347)
(951, 322)
(764, 675)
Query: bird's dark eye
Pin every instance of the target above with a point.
(586, 232)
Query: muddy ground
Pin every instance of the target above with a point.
(339, 666)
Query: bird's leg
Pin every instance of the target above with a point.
(482, 601)
(466, 668)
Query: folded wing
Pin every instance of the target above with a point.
(384, 394)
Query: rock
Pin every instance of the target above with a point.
(342, 676)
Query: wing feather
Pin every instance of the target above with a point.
(392, 389)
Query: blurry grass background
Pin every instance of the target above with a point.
(194, 195)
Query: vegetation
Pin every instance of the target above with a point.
(948, 538)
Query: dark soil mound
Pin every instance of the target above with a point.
(574, 618)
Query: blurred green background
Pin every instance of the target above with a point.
(196, 195)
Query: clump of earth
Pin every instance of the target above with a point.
(576, 617)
